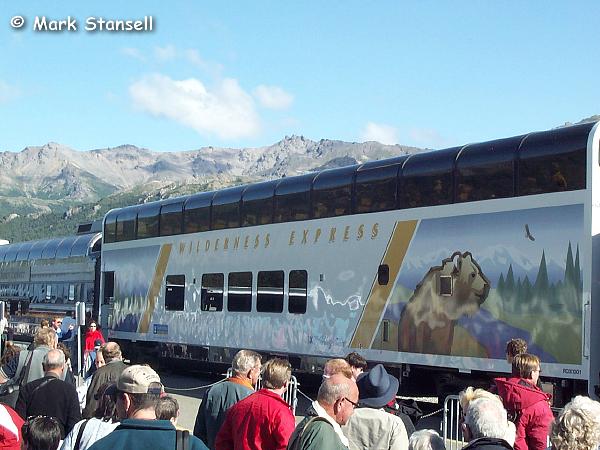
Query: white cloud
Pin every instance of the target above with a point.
(426, 137)
(226, 111)
(164, 54)
(386, 134)
(8, 92)
(273, 97)
(134, 53)
(211, 67)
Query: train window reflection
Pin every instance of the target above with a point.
(269, 297)
(226, 208)
(298, 284)
(171, 218)
(257, 204)
(376, 185)
(485, 171)
(332, 192)
(175, 292)
(196, 213)
(212, 292)
(147, 220)
(292, 199)
(553, 161)
(239, 292)
(110, 226)
(427, 178)
(125, 230)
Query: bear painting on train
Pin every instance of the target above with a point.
(447, 292)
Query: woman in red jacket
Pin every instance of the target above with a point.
(91, 335)
(527, 405)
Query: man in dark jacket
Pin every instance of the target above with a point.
(50, 396)
(219, 398)
(485, 425)
(106, 374)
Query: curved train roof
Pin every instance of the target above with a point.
(417, 164)
(56, 248)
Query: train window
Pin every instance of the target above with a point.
(11, 252)
(211, 298)
(3, 249)
(292, 198)
(332, 192)
(427, 179)
(50, 249)
(171, 218)
(125, 229)
(82, 245)
(226, 208)
(239, 292)
(64, 248)
(269, 297)
(196, 212)
(36, 250)
(553, 161)
(257, 204)
(110, 226)
(383, 274)
(109, 287)
(298, 284)
(487, 170)
(147, 220)
(376, 185)
(175, 292)
(386, 331)
(23, 252)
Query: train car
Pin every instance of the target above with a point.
(45, 278)
(428, 263)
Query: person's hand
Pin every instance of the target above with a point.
(71, 326)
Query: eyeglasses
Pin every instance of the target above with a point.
(354, 404)
(31, 419)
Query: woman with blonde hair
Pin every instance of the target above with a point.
(577, 427)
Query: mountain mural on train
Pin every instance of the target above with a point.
(470, 283)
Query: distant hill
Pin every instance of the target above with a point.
(45, 191)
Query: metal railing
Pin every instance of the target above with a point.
(451, 432)
(290, 395)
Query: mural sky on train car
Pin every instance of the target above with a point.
(535, 285)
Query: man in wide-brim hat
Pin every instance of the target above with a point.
(371, 426)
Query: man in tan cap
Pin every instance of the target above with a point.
(137, 392)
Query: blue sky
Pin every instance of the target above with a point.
(244, 74)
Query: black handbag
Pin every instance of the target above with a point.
(9, 391)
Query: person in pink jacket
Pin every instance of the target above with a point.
(527, 405)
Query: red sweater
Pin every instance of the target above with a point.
(90, 337)
(261, 421)
(10, 428)
(530, 404)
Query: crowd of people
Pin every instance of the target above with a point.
(125, 406)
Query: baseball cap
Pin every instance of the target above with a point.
(139, 379)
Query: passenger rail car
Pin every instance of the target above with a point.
(45, 278)
(430, 261)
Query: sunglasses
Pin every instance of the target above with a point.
(31, 419)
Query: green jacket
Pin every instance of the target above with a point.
(215, 403)
(133, 434)
(315, 433)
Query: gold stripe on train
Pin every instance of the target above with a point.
(377, 299)
(154, 290)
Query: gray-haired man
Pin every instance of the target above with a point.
(217, 400)
(50, 396)
(485, 425)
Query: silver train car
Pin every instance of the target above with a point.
(46, 278)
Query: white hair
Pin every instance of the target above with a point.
(485, 417)
(244, 361)
(426, 440)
